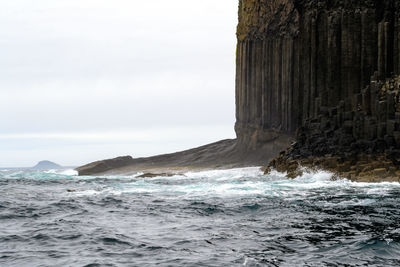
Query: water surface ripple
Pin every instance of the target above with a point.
(233, 217)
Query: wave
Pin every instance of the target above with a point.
(67, 172)
(244, 182)
(40, 175)
(231, 183)
(216, 210)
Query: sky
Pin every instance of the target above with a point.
(84, 80)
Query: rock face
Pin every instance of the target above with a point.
(267, 71)
(326, 70)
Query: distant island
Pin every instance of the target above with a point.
(46, 165)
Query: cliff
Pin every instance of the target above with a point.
(267, 71)
(297, 59)
(327, 71)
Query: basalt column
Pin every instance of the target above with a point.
(267, 81)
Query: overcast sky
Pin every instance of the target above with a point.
(83, 80)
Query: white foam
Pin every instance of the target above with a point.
(69, 172)
(244, 182)
(86, 193)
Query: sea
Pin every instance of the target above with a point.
(236, 217)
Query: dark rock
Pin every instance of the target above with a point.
(152, 175)
(71, 190)
(104, 165)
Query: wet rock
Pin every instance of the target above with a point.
(363, 167)
(71, 190)
(152, 175)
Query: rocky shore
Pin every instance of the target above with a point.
(358, 167)
(359, 140)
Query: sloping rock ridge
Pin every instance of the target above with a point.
(221, 154)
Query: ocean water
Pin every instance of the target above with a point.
(236, 217)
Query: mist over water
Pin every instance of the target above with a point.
(236, 217)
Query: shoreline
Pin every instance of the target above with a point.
(229, 153)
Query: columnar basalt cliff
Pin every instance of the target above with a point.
(267, 73)
(327, 71)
